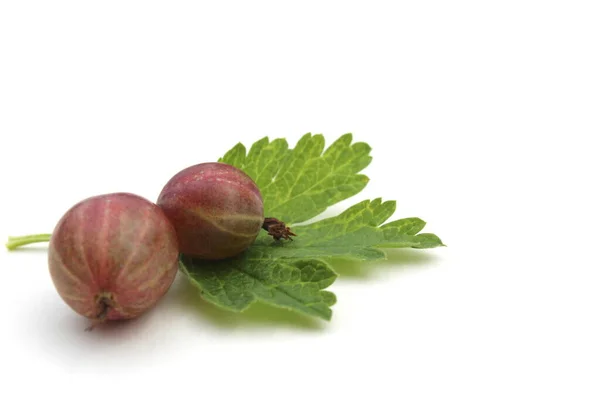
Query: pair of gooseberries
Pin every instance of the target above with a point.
(114, 256)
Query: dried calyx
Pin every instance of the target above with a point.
(277, 229)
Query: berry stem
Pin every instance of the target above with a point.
(18, 241)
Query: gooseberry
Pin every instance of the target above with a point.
(113, 256)
(215, 208)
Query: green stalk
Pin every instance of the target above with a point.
(18, 241)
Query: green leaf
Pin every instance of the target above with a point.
(299, 184)
(295, 284)
(356, 234)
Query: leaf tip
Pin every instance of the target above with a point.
(347, 137)
(390, 203)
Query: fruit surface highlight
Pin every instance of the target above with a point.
(113, 256)
(216, 209)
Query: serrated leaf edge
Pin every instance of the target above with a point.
(255, 298)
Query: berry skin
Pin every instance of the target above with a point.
(113, 256)
(216, 209)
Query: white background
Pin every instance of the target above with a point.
(482, 117)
